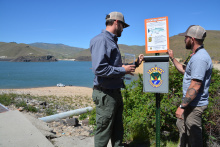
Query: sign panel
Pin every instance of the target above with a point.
(156, 74)
(156, 35)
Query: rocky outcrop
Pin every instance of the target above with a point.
(35, 59)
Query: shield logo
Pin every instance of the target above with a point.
(155, 76)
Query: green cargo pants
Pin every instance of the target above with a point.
(109, 108)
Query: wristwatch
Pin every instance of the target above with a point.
(182, 107)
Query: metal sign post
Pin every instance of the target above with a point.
(157, 115)
(157, 119)
(156, 80)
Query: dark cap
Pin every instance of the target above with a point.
(195, 31)
(117, 16)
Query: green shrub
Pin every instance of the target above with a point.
(211, 123)
(50, 111)
(7, 99)
(140, 113)
(140, 110)
(21, 104)
(139, 116)
(28, 108)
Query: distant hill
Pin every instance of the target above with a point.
(13, 50)
(85, 54)
(211, 43)
(61, 50)
(177, 44)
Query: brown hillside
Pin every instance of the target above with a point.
(14, 50)
(211, 43)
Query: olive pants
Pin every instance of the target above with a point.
(109, 108)
(190, 129)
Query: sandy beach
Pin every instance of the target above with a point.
(53, 91)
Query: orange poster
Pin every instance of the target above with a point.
(156, 35)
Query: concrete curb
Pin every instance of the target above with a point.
(17, 131)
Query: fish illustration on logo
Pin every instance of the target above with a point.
(155, 76)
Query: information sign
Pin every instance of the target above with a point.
(156, 35)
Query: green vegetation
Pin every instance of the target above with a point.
(53, 103)
(7, 99)
(139, 116)
(50, 111)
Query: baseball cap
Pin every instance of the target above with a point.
(117, 16)
(195, 31)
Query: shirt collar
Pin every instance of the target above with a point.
(202, 46)
(109, 34)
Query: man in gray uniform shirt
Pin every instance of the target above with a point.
(109, 71)
(196, 81)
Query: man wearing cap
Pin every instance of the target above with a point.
(109, 71)
(196, 81)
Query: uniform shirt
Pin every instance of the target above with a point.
(106, 61)
(199, 67)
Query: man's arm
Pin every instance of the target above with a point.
(180, 67)
(191, 93)
(100, 62)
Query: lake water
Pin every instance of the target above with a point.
(45, 74)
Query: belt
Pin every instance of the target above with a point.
(104, 89)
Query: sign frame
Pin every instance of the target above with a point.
(154, 20)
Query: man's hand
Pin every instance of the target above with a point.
(170, 53)
(179, 113)
(129, 69)
(141, 58)
(180, 67)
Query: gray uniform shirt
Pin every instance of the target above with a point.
(106, 61)
(199, 67)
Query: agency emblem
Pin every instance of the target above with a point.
(155, 76)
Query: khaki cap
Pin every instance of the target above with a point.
(117, 16)
(195, 31)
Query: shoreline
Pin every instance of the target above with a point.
(66, 59)
(69, 91)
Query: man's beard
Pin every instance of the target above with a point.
(118, 32)
(188, 45)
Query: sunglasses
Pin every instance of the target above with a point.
(123, 25)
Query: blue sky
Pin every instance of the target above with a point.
(75, 22)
